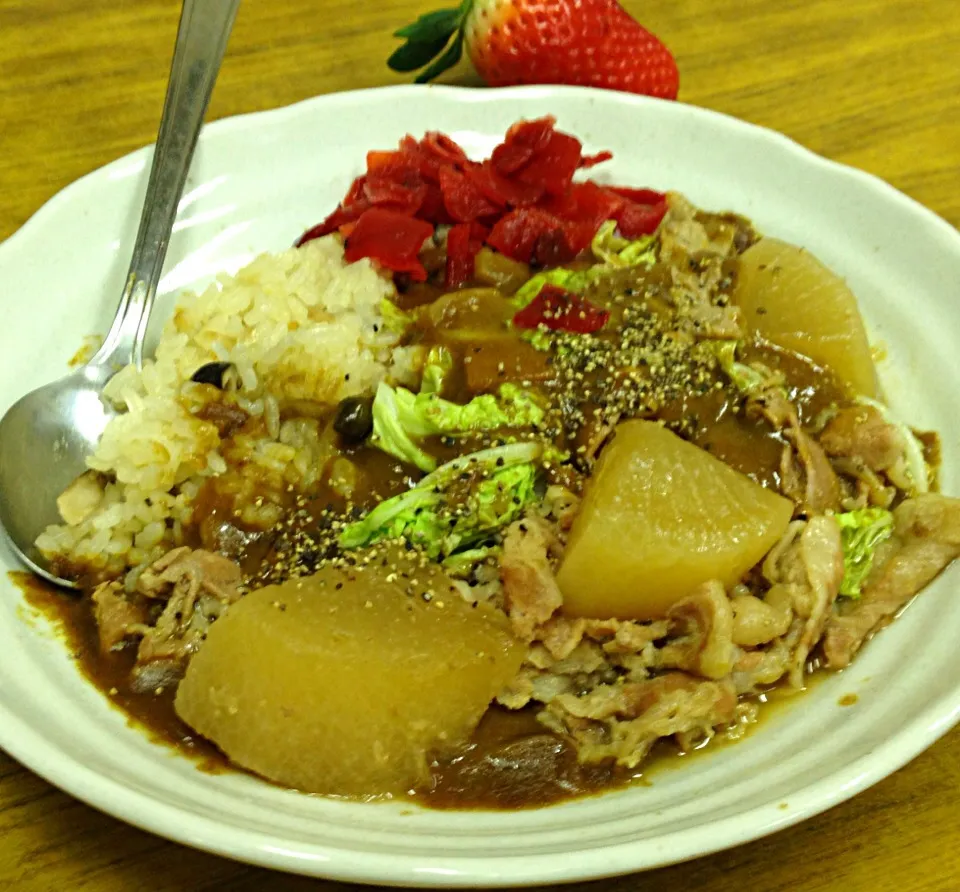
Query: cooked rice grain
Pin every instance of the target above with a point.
(304, 330)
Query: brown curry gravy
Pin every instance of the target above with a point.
(72, 621)
(512, 761)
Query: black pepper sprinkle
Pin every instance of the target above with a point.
(649, 360)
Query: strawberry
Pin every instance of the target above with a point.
(590, 43)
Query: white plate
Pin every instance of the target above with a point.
(257, 182)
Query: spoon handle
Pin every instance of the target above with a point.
(201, 40)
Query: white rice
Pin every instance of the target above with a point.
(304, 330)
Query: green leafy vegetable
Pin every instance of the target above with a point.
(392, 429)
(615, 250)
(513, 408)
(462, 564)
(748, 379)
(569, 279)
(402, 419)
(861, 532)
(539, 339)
(436, 369)
(394, 320)
(610, 249)
(457, 507)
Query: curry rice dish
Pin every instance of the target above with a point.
(499, 481)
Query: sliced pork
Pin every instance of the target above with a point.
(700, 633)
(530, 590)
(623, 721)
(807, 477)
(926, 539)
(173, 603)
(805, 570)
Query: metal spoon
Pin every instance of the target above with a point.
(46, 435)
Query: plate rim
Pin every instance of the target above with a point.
(104, 793)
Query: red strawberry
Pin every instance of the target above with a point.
(590, 43)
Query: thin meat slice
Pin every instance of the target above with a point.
(197, 586)
(759, 668)
(926, 539)
(118, 617)
(170, 610)
(186, 572)
(929, 516)
(622, 721)
(682, 233)
(620, 638)
(859, 432)
(81, 498)
(581, 654)
(865, 487)
(701, 633)
(805, 570)
(695, 260)
(757, 621)
(860, 439)
(821, 490)
(821, 552)
(561, 635)
(694, 294)
(806, 474)
(530, 589)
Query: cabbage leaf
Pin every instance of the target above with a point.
(861, 531)
(613, 251)
(459, 506)
(402, 419)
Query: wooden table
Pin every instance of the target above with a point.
(873, 83)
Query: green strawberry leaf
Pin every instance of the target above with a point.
(415, 54)
(447, 60)
(432, 26)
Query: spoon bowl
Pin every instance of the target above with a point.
(46, 436)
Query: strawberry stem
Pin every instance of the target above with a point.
(447, 60)
(426, 42)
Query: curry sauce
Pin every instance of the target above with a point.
(512, 760)
(655, 344)
(72, 621)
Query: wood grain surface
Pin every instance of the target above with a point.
(873, 83)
